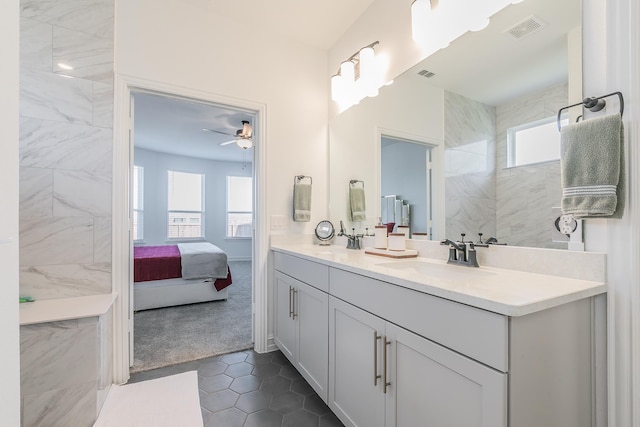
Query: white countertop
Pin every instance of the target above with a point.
(507, 292)
(55, 310)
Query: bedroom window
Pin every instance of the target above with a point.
(138, 203)
(186, 206)
(239, 206)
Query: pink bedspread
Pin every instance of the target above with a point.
(156, 263)
(164, 262)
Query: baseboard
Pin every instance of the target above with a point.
(241, 258)
(271, 345)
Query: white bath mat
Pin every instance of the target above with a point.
(171, 401)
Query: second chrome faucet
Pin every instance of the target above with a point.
(463, 253)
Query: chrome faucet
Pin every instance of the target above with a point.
(353, 240)
(462, 253)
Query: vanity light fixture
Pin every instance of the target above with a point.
(357, 78)
(436, 23)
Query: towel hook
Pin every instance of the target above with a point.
(355, 181)
(593, 104)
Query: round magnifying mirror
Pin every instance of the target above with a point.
(325, 232)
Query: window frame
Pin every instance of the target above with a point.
(139, 192)
(201, 212)
(512, 142)
(228, 212)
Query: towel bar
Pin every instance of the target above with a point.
(353, 182)
(593, 104)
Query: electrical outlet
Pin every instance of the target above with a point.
(279, 222)
(556, 235)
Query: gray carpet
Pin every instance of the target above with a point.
(166, 336)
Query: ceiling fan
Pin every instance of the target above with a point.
(242, 137)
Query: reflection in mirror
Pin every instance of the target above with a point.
(463, 100)
(405, 183)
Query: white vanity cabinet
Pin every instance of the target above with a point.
(394, 356)
(383, 375)
(301, 318)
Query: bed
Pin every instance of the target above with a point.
(185, 273)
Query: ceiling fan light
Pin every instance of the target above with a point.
(246, 129)
(244, 143)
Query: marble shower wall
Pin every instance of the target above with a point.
(66, 137)
(470, 153)
(526, 194)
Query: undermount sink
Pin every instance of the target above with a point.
(424, 268)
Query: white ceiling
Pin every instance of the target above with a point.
(492, 67)
(311, 22)
(487, 66)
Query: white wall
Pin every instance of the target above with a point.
(184, 44)
(355, 144)
(156, 166)
(9, 330)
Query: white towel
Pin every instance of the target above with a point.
(301, 202)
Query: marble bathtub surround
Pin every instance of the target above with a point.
(70, 280)
(63, 145)
(66, 139)
(88, 16)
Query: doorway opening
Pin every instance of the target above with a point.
(192, 189)
(405, 184)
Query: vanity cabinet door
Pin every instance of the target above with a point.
(285, 325)
(355, 361)
(311, 310)
(301, 329)
(431, 385)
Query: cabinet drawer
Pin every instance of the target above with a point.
(312, 273)
(476, 333)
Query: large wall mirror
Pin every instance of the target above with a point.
(470, 107)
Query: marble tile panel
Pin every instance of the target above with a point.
(45, 282)
(78, 193)
(89, 16)
(36, 49)
(63, 145)
(36, 192)
(103, 104)
(101, 239)
(58, 358)
(90, 57)
(61, 240)
(70, 406)
(50, 96)
(467, 120)
(48, 327)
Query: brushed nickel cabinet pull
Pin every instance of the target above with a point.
(290, 301)
(294, 314)
(376, 376)
(385, 383)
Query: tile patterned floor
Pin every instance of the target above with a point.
(249, 389)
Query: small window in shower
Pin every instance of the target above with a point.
(534, 142)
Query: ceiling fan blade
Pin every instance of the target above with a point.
(217, 131)
(227, 142)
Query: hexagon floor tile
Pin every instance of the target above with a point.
(247, 389)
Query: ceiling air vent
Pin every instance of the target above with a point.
(427, 74)
(526, 27)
